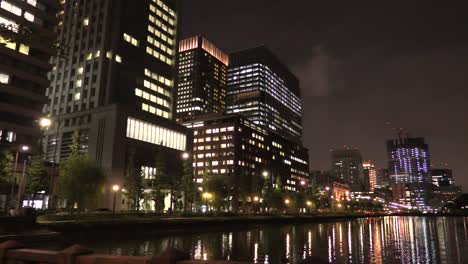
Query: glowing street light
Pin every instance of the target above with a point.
(115, 189)
(45, 122)
(256, 199)
(303, 182)
(265, 174)
(309, 203)
(327, 188)
(286, 201)
(185, 156)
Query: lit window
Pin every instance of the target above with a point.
(24, 49)
(118, 58)
(11, 8)
(77, 96)
(86, 22)
(4, 78)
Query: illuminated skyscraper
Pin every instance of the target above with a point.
(409, 164)
(347, 166)
(201, 78)
(261, 88)
(26, 45)
(370, 175)
(115, 85)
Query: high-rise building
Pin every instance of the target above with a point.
(26, 45)
(409, 164)
(201, 78)
(442, 177)
(115, 85)
(382, 179)
(347, 165)
(370, 175)
(234, 145)
(261, 88)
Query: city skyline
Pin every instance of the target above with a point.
(352, 72)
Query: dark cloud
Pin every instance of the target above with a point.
(361, 64)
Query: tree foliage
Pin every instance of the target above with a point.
(6, 170)
(218, 186)
(37, 178)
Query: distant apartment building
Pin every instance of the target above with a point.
(201, 78)
(235, 146)
(26, 44)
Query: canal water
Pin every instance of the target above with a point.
(367, 240)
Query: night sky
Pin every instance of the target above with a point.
(361, 64)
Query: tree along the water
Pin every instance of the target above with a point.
(80, 179)
(133, 182)
(188, 185)
(218, 186)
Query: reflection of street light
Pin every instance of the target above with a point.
(115, 188)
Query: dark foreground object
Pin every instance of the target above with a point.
(12, 252)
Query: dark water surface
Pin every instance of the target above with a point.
(371, 240)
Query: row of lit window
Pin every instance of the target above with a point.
(209, 139)
(165, 7)
(109, 55)
(130, 39)
(18, 11)
(159, 56)
(158, 78)
(208, 147)
(157, 135)
(158, 23)
(156, 88)
(160, 35)
(155, 111)
(160, 45)
(151, 97)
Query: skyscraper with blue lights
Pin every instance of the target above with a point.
(409, 165)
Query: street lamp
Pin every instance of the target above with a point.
(115, 189)
(45, 122)
(309, 203)
(21, 185)
(286, 201)
(185, 156)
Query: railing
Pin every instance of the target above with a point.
(12, 252)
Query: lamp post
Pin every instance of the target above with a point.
(115, 189)
(19, 199)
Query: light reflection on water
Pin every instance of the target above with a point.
(405, 240)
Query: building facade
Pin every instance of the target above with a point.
(201, 78)
(26, 44)
(409, 164)
(347, 166)
(248, 153)
(261, 88)
(442, 177)
(116, 83)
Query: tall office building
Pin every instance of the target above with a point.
(382, 179)
(370, 175)
(261, 88)
(116, 84)
(347, 165)
(26, 45)
(409, 165)
(201, 78)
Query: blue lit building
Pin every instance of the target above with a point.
(265, 91)
(409, 165)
